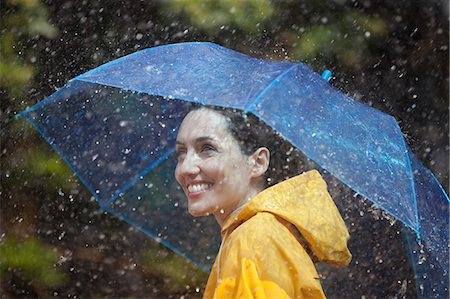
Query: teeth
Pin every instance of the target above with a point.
(198, 187)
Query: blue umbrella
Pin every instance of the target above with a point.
(115, 126)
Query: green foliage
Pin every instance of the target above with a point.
(346, 39)
(32, 261)
(45, 165)
(37, 164)
(175, 270)
(24, 19)
(210, 15)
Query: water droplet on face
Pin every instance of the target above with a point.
(222, 211)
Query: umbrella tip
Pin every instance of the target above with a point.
(326, 75)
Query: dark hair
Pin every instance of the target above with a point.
(251, 133)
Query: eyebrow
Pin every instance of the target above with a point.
(198, 140)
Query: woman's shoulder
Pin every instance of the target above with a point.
(262, 228)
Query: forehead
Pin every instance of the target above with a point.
(204, 122)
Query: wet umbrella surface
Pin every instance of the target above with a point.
(115, 126)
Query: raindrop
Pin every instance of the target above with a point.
(61, 235)
(123, 123)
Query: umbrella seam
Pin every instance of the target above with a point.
(408, 165)
(150, 93)
(268, 87)
(133, 180)
(48, 100)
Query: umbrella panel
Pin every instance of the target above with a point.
(109, 137)
(361, 146)
(430, 254)
(197, 72)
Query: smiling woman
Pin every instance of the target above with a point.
(270, 236)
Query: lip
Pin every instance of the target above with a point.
(195, 194)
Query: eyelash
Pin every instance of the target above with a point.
(208, 147)
(204, 148)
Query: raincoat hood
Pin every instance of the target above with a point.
(304, 202)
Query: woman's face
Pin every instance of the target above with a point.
(212, 170)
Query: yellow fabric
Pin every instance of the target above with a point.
(249, 285)
(262, 255)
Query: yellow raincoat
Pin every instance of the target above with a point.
(267, 245)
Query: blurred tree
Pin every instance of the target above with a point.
(213, 15)
(23, 19)
(345, 39)
(30, 260)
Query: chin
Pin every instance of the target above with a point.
(198, 212)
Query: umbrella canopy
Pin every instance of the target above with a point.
(115, 126)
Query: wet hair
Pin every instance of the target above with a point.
(251, 133)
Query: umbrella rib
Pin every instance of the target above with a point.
(134, 179)
(268, 87)
(408, 164)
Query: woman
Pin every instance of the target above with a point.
(270, 236)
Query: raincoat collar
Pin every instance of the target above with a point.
(304, 202)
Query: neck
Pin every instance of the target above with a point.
(223, 214)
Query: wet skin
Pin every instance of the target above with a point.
(215, 175)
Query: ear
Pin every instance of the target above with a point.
(259, 162)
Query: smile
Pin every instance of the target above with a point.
(194, 188)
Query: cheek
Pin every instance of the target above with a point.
(177, 174)
(212, 166)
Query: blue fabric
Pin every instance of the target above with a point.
(116, 126)
(430, 254)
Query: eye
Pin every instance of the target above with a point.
(208, 148)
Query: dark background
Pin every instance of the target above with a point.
(54, 242)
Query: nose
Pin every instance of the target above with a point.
(189, 166)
